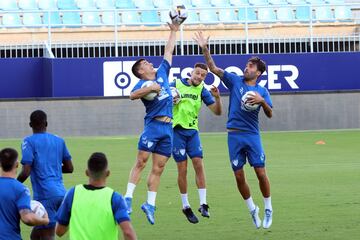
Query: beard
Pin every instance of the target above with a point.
(249, 76)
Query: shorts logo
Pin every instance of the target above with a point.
(235, 162)
(262, 157)
(150, 144)
(182, 152)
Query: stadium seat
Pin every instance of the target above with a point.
(11, 20)
(251, 15)
(163, 4)
(315, 2)
(86, 4)
(130, 18)
(278, 2)
(208, 17)
(343, 13)
(8, 5)
(90, 18)
(296, 2)
(193, 17)
(164, 16)
(124, 4)
(238, 2)
(47, 4)
(54, 18)
(324, 14)
(104, 4)
(220, 3)
(258, 2)
(27, 5)
(32, 20)
(66, 4)
(200, 3)
(72, 19)
(144, 4)
(266, 15)
(302, 13)
(186, 3)
(227, 16)
(108, 18)
(285, 14)
(151, 17)
(335, 1)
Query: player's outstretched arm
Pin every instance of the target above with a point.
(216, 107)
(169, 48)
(142, 92)
(128, 231)
(31, 219)
(25, 173)
(203, 43)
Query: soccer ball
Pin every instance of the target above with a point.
(37, 208)
(178, 14)
(176, 95)
(244, 102)
(150, 96)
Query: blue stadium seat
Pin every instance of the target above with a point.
(32, 20)
(86, 4)
(285, 14)
(251, 15)
(104, 4)
(150, 17)
(90, 18)
(208, 17)
(54, 18)
(335, 1)
(266, 15)
(164, 16)
(278, 2)
(71, 19)
(193, 17)
(220, 3)
(11, 20)
(144, 4)
(108, 18)
(324, 14)
(343, 13)
(200, 3)
(27, 5)
(130, 18)
(66, 4)
(47, 5)
(187, 3)
(315, 1)
(296, 2)
(8, 5)
(302, 13)
(124, 4)
(258, 2)
(227, 16)
(239, 2)
(163, 4)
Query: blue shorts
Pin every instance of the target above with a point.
(244, 146)
(186, 142)
(51, 205)
(157, 138)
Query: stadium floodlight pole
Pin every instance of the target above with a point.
(116, 33)
(49, 28)
(182, 39)
(246, 30)
(311, 31)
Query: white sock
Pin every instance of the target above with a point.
(185, 200)
(267, 202)
(151, 198)
(202, 195)
(250, 204)
(130, 190)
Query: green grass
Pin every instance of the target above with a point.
(315, 188)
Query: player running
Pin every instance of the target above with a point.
(186, 134)
(157, 136)
(244, 140)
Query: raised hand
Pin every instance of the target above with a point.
(201, 40)
(215, 92)
(174, 26)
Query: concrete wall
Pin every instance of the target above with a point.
(124, 117)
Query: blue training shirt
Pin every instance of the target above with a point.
(45, 153)
(206, 96)
(117, 203)
(162, 105)
(238, 117)
(14, 196)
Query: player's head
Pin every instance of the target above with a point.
(142, 68)
(254, 68)
(8, 159)
(38, 120)
(199, 73)
(97, 166)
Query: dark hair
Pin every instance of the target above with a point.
(8, 157)
(260, 64)
(201, 65)
(38, 119)
(136, 66)
(97, 164)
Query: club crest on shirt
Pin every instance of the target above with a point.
(160, 80)
(241, 90)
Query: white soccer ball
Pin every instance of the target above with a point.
(175, 94)
(150, 96)
(244, 102)
(178, 14)
(37, 208)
